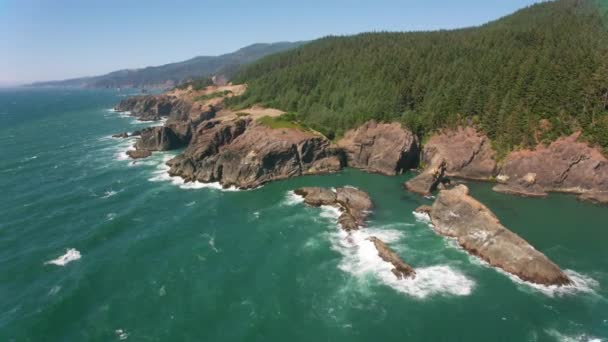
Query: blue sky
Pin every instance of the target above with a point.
(57, 39)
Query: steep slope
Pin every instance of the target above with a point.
(171, 74)
(533, 76)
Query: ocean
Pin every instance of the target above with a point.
(97, 247)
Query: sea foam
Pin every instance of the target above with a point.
(70, 255)
(360, 258)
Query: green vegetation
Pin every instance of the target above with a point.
(212, 95)
(546, 63)
(287, 120)
(198, 84)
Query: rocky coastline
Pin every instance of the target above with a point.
(239, 151)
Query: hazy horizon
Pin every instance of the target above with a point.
(66, 39)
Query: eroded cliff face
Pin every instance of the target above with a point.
(466, 152)
(461, 153)
(477, 230)
(246, 154)
(385, 148)
(566, 165)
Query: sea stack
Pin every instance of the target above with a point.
(478, 231)
(355, 206)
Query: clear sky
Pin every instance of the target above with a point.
(58, 39)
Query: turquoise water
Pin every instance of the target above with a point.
(161, 262)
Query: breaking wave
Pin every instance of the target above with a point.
(70, 255)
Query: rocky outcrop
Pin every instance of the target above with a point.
(460, 153)
(467, 153)
(246, 154)
(384, 148)
(138, 154)
(429, 179)
(160, 138)
(354, 204)
(147, 107)
(401, 270)
(478, 231)
(566, 165)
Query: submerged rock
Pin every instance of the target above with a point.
(121, 135)
(566, 165)
(354, 204)
(478, 231)
(384, 148)
(246, 154)
(401, 270)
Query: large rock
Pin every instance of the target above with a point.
(160, 138)
(566, 165)
(467, 153)
(385, 148)
(147, 107)
(477, 230)
(245, 154)
(354, 204)
(401, 270)
(429, 178)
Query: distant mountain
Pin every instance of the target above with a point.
(169, 75)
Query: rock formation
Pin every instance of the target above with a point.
(467, 153)
(428, 179)
(384, 148)
(461, 153)
(566, 165)
(354, 204)
(478, 231)
(245, 154)
(147, 107)
(401, 270)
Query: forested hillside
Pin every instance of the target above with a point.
(532, 76)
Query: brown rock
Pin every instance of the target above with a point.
(384, 148)
(595, 197)
(467, 153)
(428, 180)
(245, 154)
(121, 135)
(137, 154)
(566, 165)
(478, 231)
(354, 204)
(401, 270)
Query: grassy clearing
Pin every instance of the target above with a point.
(284, 121)
(212, 95)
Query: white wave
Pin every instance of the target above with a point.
(110, 216)
(189, 204)
(291, 198)
(161, 174)
(121, 334)
(422, 218)
(70, 255)
(361, 259)
(211, 242)
(54, 290)
(330, 212)
(109, 194)
(572, 338)
(580, 284)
